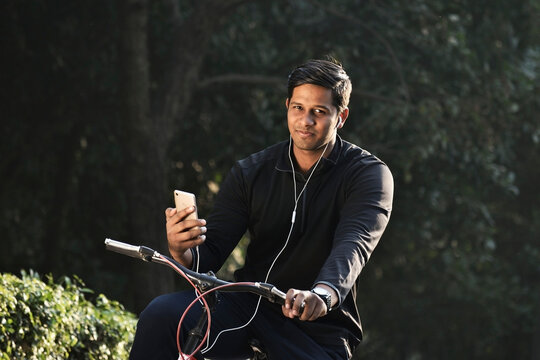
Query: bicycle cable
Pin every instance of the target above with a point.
(200, 297)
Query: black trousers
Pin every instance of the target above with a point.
(281, 338)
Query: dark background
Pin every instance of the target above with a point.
(108, 106)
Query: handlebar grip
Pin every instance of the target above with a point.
(139, 252)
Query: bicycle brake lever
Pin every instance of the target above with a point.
(274, 294)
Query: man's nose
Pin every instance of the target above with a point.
(308, 119)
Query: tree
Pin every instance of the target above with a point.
(151, 127)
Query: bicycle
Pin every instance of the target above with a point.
(207, 287)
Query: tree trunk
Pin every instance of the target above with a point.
(149, 133)
(145, 175)
(52, 252)
(181, 77)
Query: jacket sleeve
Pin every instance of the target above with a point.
(363, 219)
(226, 224)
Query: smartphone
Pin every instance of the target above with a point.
(183, 200)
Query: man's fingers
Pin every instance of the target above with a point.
(289, 298)
(298, 305)
(182, 214)
(294, 303)
(308, 313)
(186, 230)
(182, 245)
(304, 305)
(176, 216)
(170, 212)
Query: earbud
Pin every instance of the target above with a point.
(339, 122)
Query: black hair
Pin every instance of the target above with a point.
(326, 73)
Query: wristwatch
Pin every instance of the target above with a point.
(324, 295)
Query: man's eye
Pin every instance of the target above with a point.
(319, 112)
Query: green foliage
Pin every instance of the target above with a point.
(48, 320)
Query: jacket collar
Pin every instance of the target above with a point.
(283, 163)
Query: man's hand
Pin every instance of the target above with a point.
(314, 306)
(182, 234)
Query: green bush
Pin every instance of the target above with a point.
(48, 320)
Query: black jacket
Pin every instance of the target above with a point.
(339, 220)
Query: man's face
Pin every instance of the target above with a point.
(311, 117)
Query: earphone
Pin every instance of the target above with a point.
(340, 121)
(293, 218)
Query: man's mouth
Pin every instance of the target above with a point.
(304, 134)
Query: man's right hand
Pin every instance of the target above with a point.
(183, 235)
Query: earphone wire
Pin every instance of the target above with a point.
(296, 199)
(293, 218)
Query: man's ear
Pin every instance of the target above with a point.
(342, 117)
(287, 103)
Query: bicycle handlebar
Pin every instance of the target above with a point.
(204, 281)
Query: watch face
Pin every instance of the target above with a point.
(321, 291)
(325, 295)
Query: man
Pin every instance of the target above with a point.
(315, 207)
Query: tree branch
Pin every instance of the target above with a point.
(243, 78)
(192, 37)
(378, 36)
(367, 94)
(280, 83)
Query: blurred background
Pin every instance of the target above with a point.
(108, 106)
